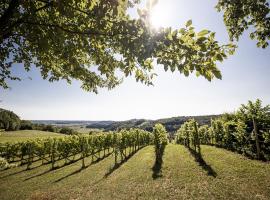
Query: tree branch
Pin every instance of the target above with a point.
(8, 15)
(8, 29)
(88, 32)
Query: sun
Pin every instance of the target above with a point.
(160, 14)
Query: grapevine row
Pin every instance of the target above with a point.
(51, 150)
(188, 135)
(232, 134)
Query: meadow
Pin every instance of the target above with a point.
(24, 135)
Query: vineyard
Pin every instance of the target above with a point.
(203, 161)
(64, 135)
(182, 178)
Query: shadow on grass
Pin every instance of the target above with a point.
(35, 167)
(11, 174)
(21, 165)
(71, 161)
(157, 172)
(52, 169)
(117, 165)
(201, 162)
(81, 169)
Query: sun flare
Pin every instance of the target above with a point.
(160, 14)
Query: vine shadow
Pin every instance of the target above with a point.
(83, 168)
(201, 162)
(157, 168)
(64, 165)
(117, 165)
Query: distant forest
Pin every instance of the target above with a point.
(10, 121)
(171, 124)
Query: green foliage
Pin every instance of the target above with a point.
(188, 134)
(233, 131)
(160, 141)
(9, 120)
(126, 142)
(49, 128)
(243, 14)
(26, 125)
(204, 134)
(254, 110)
(217, 131)
(67, 130)
(92, 40)
(54, 149)
(5, 165)
(236, 131)
(160, 135)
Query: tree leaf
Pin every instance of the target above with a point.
(203, 33)
(189, 23)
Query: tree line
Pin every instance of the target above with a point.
(9, 121)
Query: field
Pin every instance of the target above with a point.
(221, 174)
(23, 135)
(83, 129)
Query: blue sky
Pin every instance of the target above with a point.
(245, 77)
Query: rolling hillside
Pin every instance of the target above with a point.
(171, 124)
(221, 175)
(23, 135)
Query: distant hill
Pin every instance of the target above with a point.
(69, 122)
(171, 124)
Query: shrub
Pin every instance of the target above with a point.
(66, 130)
(26, 125)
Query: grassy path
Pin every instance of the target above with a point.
(231, 177)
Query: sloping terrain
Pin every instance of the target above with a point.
(23, 135)
(171, 124)
(219, 175)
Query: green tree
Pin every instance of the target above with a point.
(98, 43)
(67, 130)
(9, 120)
(49, 128)
(26, 125)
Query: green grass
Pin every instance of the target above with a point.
(13, 136)
(83, 130)
(182, 178)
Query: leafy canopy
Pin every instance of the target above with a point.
(242, 14)
(98, 43)
(9, 120)
(254, 110)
